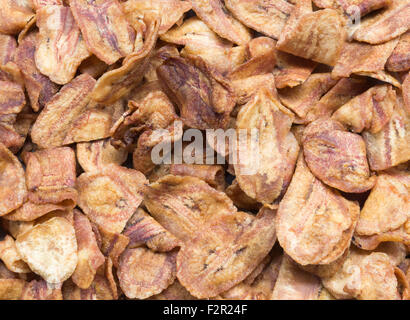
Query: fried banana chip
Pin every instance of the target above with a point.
(143, 273)
(8, 46)
(344, 90)
(314, 222)
(364, 276)
(401, 235)
(104, 27)
(51, 176)
(50, 249)
(56, 119)
(406, 93)
(302, 98)
(93, 66)
(295, 284)
(112, 244)
(41, 290)
(110, 196)
(200, 40)
(220, 20)
(204, 97)
(304, 35)
(40, 89)
(38, 4)
(117, 83)
(11, 257)
(361, 57)
(60, 48)
(266, 175)
(90, 257)
(388, 206)
(240, 198)
(13, 189)
(370, 111)
(158, 57)
(265, 16)
(364, 6)
(92, 156)
(389, 147)
(171, 11)
(337, 157)
(389, 24)
(12, 99)
(11, 289)
(14, 15)
(221, 246)
(400, 58)
(143, 229)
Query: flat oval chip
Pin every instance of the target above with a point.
(400, 58)
(143, 229)
(60, 48)
(143, 273)
(295, 284)
(13, 189)
(90, 257)
(14, 15)
(204, 97)
(50, 249)
(12, 99)
(263, 174)
(336, 156)
(389, 147)
(314, 222)
(171, 11)
(364, 276)
(359, 57)
(388, 206)
(92, 156)
(265, 16)
(40, 89)
(220, 20)
(11, 257)
(110, 196)
(369, 111)
(117, 83)
(104, 27)
(390, 23)
(41, 290)
(303, 35)
(61, 111)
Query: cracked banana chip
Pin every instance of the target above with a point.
(14, 15)
(400, 58)
(110, 196)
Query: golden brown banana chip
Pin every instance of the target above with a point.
(214, 175)
(89, 255)
(50, 249)
(110, 196)
(220, 20)
(389, 24)
(12, 99)
(38, 4)
(314, 222)
(265, 16)
(40, 89)
(14, 15)
(336, 156)
(92, 156)
(13, 184)
(303, 36)
(11, 289)
(41, 290)
(60, 48)
(143, 273)
(264, 169)
(11, 257)
(400, 58)
(104, 27)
